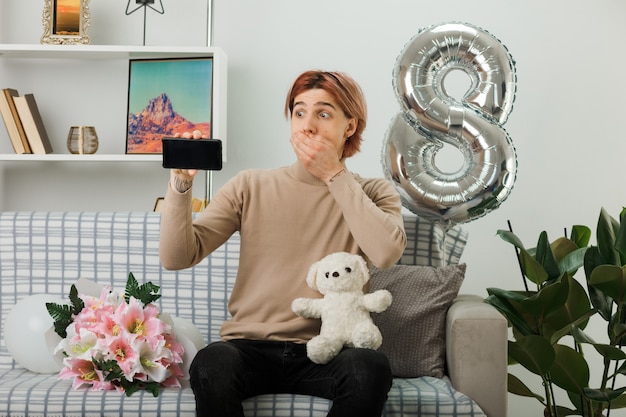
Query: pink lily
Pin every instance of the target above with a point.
(141, 321)
(177, 349)
(121, 349)
(84, 372)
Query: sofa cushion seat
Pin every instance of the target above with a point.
(45, 395)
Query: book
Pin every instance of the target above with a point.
(13, 122)
(33, 124)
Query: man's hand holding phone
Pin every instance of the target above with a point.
(186, 154)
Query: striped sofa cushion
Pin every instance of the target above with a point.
(428, 244)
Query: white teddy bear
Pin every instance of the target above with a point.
(345, 309)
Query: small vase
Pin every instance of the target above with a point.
(82, 140)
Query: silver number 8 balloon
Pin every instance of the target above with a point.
(431, 118)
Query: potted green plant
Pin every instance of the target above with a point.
(548, 321)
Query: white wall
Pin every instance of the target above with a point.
(567, 122)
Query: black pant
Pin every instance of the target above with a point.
(223, 374)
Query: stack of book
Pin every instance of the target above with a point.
(23, 122)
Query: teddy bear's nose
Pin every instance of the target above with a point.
(335, 274)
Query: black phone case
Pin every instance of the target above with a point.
(192, 153)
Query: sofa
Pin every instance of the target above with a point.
(464, 338)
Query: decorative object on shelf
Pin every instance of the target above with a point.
(82, 140)
(165, 97)
(66, 22)
(431, 119)
(145, 4)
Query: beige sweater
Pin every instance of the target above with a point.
(288, 219)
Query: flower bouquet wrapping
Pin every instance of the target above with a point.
(118, 341)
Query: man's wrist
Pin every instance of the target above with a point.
(337, 175)
(181, 185)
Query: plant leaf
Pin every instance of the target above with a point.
(63, 314)
(517, 296)
(534, 353)
(570, 370)
(605, 236)
(548, 300)
(505, 302)
(581, 235)
(619, 402)
(129, 387)
(610, 280)
(619, 331)
(152, 387)
(517, 387)
(575, 312)
(620, 238)
(561, 247)
(580, 403)
(575, 329)
(533, 270)
(606, 395)
(146, 293)
(609, 352)
(582, 337)
(132, 287)
(545, 257)
(572, 261)
(602, 302)
(77, 302)
(511, 238)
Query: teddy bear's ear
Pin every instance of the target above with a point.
(363, 269)
(311, 277)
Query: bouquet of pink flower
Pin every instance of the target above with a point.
(117, 342)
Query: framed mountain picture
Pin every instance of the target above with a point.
(165, 97)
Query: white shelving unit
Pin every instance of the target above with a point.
(88, 85)
(105, 51)
(98, 53)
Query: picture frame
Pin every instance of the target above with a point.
(197, 205)
(66, 22)
(158, 204)
(165, 97)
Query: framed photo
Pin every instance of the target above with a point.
(65, 22)
(158, 204)
(165, 97)
(197, 205)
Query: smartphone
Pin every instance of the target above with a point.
(192, 153)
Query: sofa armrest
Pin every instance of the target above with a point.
(476, 353)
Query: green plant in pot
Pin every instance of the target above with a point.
(548, 322)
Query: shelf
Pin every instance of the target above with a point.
(30, 51)
(81, 158)
(91, 84)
